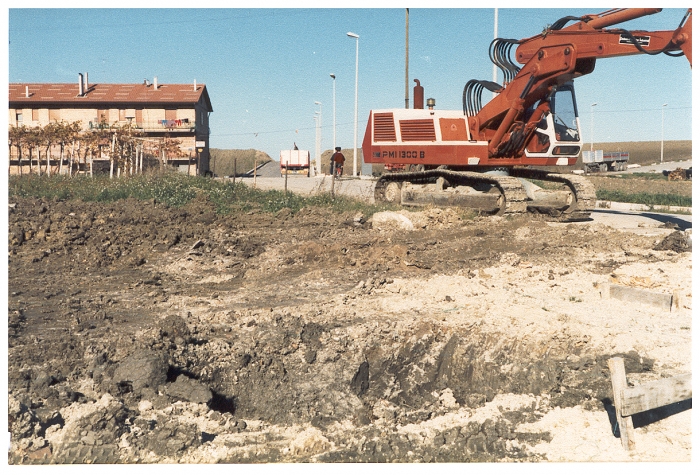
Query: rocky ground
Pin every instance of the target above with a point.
(143, 334)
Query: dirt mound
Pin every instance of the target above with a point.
(678, 241)
(141, 333)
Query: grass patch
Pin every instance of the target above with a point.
(639, 176)
(649, 199)
(176, 190)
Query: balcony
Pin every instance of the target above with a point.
(164, 125)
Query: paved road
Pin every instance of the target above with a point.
(621, 217)
(655, 168)
(641, 222)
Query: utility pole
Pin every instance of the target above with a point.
(407, 58)
(357, 62)
(319, 138)
(495, 35)
(662, 132)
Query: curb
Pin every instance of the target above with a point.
(612, 205)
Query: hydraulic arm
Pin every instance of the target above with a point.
(556, 56)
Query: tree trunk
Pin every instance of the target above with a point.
(48, 160)
(111, 158)
(60, 163)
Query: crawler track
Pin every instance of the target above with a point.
(515, 201)
(584, 192)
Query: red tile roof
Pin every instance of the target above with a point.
(46, 93)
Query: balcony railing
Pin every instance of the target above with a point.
(177, 125)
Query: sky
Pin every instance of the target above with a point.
(265, 68)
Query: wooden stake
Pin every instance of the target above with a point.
(619, 384)
(654, 394)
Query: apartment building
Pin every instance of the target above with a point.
(156, 111)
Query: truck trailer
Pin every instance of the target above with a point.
(295, 162)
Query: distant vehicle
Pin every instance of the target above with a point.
(295, 162)
(598, 161)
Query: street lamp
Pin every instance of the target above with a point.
(320, 135)
(318, 143)
(592, 106)
(662, 132)
(333, 76)
(357, 57)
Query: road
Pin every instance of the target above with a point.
(657, 167)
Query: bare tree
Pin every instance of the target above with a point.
(33, 141)
(18, 138)
(50, 134)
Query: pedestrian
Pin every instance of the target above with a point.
(338, 159)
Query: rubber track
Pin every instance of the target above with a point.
(510, 187)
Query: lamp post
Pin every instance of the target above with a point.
(333, 76)
(357, 56)
(662, 132)
(320, 136)
(592, 106)
(318, 143)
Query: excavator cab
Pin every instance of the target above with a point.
(557, 134)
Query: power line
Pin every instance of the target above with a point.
(265, 132)
(282, 13)
(364, 124)
(641, 110)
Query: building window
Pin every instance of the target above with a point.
(122, 115)
(35, 115)
(170, 114)
(54, 115)
(19, 118)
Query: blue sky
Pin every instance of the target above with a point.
(265, 67)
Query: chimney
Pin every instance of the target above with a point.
(81, 91)
(195, 85)
(26, 91)
(155, 83)
(418, 95)
(87, 83)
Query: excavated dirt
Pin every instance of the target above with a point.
(143, 334)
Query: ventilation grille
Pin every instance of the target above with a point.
(417, 130)
(384, 130)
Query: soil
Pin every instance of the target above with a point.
(139, 333)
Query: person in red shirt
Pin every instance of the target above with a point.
(337, 160)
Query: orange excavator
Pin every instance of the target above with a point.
(486, 156)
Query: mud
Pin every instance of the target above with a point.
(139, 333)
